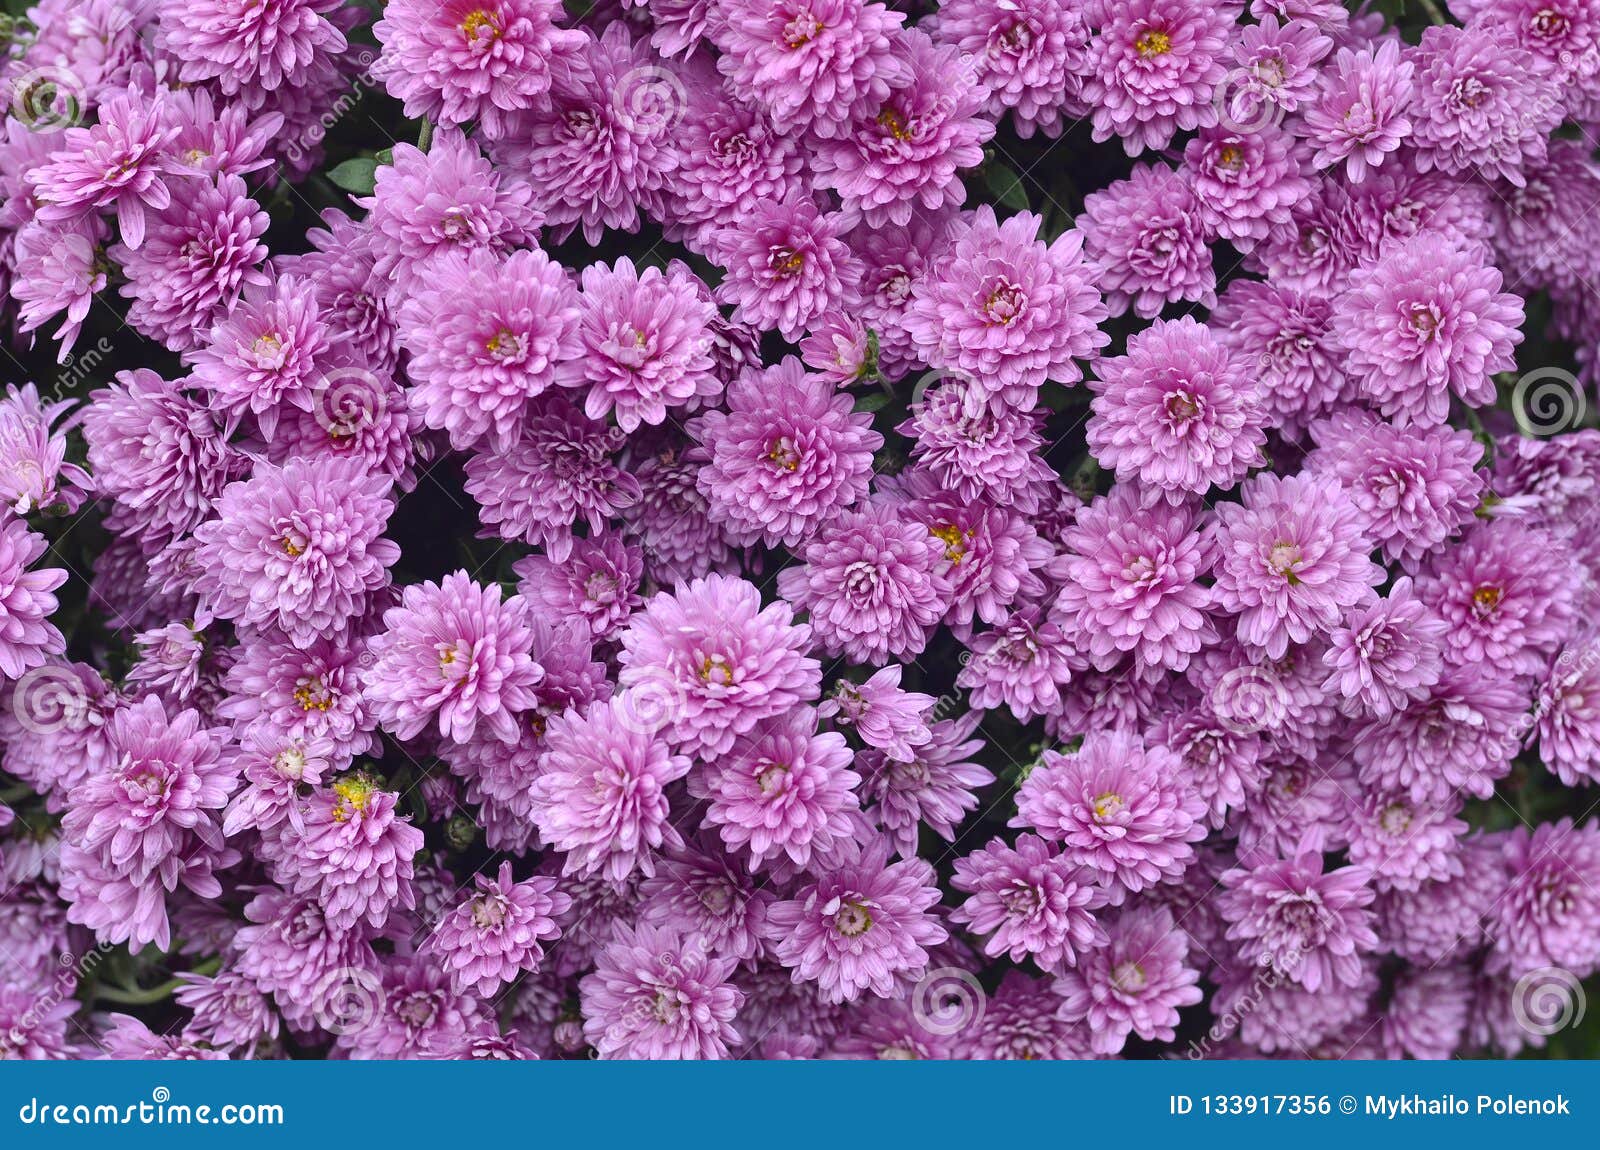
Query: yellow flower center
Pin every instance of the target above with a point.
(480, 25)
(785, 262)
(852, 920)
(313, 695)
(784, 453)
(1152, 43)
(801, 30)
(1107, 806)
(895, 124)
(716, 669)
(1487, 598)
(354, 793)
(955, 543)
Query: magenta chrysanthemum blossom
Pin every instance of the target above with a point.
(560, 471)
(980, 451)
(710, 663)
(1178, 412)
(485, 335)
(59, 268)
(1412, 487)
(1134, 984)
(1290, 560)
(783, 790)
(1145, 241)
(1568, 711)
(299, 547)
(1030, 901)
(249, 46)
(201, 251)
(936, 787)
(600, 795)
(863, 925)
(1483, 107)
(873, 585)
(1130, 582)
(1311, 925)
(1507, 594)
(1549, 914)
(904, 157)
(496, 933)
(27, 637)
(1032, 57)
(884, 717)
(351, 851)
(1362, 111)
(455, 654)
(893, 261)
(1006, 311)
(646, 343)
(598, 581)
(276, 689)
(1404, 843)
(1277, 71)
(657, 994)
(121, 163)
(1287, 334)
(230, 1012)
(1022, 664)
(812, 64)
(1245, 181)
(1427, 321)
(786, 264)
(1386, 655)
(1152, 70)
(788, 455)
(732, 158)
(471, 60)
(1117, 807)
(712, 894)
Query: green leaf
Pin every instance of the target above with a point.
(1007, 186)
(873, 401)
(358, 176)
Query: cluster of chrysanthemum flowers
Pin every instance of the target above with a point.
(890, 623)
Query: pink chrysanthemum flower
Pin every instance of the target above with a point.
(495, 934)
(1427, 321)
(646, 343)
(710, 663)
(1568, 712)
(885, 717)
(786, 264)
(893, 261)
(1507, 594)
(789, 454)
(59, 268)
(936, 786)
(1277, 71)
(471, 60)
(558, 472)
(1153, 67)
(600, 795)
(1032, 57)
(1030, 901)
(1484, 107)
(246, 45)
(201, 251)
(980, 451)
(713, 894)
(1310, 925)
(275, 689)
(598, 582)
(1022, 664)
(1246, 182)
(485, 335)
(862, 925)
(27, 637)
(1290, 560)
(1126, 811)
(34, 472)
(1413, 487)
(1404, 843)
(452, 653)
(1361, 114)
(732, 158)
(299, 547)
(1145, 240)
(657, 994)
(1386, 655)
(1132, 985)
(1177, 412)
(873, 585)
(812, 64)
(784, 790)
(351, 851)
(1006, 311)
(904, 157)
(1130, 582)
(1288, 335)
(1549, 914)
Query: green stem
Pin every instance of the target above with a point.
(1434, 12)
(425, 137)
(132, 996)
